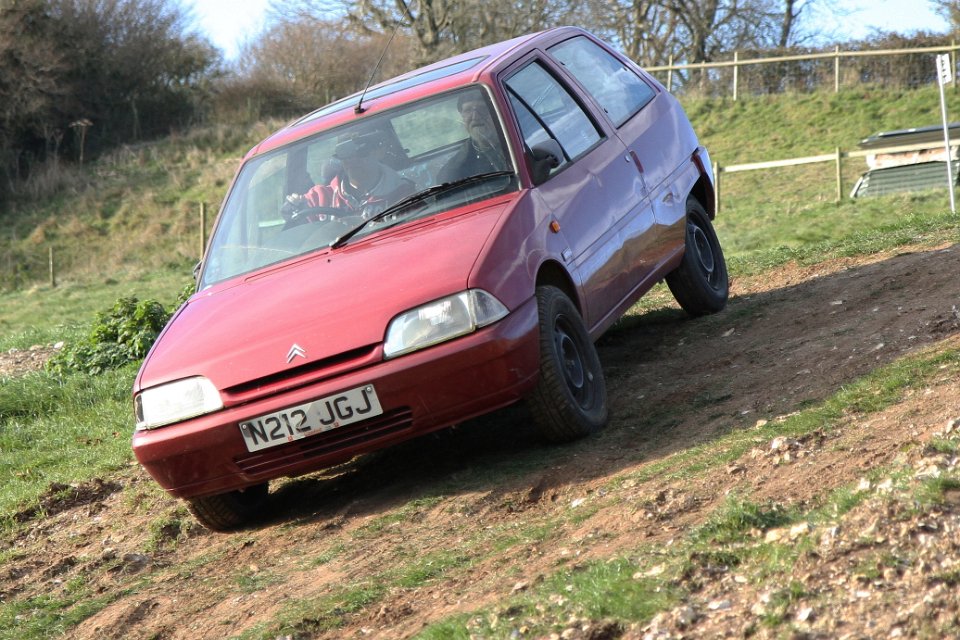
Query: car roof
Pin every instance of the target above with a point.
(450, 73)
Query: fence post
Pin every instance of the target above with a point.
(53, 271)
(716, 188)
(953, 62)
(836, 69)
(203, 228)
(736, 70)
(839, 177)
(670, 73)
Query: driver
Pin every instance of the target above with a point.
(364, 187)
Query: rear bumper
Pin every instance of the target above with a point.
(420, 392)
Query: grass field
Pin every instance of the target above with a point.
(135, 221)
(127, 225)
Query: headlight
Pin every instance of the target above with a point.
(175, 401)
(441, 320)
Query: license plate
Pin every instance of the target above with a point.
(294, 423)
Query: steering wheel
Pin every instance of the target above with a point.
(330, 214)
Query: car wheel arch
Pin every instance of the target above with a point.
(702, 191)
(553, 274)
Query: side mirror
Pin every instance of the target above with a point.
(547, 156)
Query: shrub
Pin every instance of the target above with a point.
(123, 334)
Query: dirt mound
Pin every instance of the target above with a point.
(18, 361)
(462, 520)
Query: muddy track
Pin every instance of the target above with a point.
(788, 340)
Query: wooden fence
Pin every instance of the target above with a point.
(837, 157)
(836, 56)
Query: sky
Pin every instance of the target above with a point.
(230, 23)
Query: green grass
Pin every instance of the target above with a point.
(795, 207)
(777, 127)
(129, 228)
(61, 431)
(46, 315)
(125, 216)
(624, 589)
(313, 615)
(47, 616)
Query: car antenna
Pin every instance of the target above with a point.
(359, 108)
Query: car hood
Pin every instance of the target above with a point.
(329, 303)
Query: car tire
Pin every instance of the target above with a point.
(228, 511)
(570, 399)
(700, 284)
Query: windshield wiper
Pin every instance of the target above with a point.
(419, 196)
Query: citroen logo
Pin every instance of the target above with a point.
(296, 350)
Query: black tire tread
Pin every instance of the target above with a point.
(557, 420)
(687, 284)
(227, 511)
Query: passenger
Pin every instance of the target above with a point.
(482, 152)
(363, 188)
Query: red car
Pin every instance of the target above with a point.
(447, 243)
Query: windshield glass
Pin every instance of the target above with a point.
(305, 196)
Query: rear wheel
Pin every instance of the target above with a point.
(700, 284)
(227, 511)
(570, 400)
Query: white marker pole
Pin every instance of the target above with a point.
(945, 76)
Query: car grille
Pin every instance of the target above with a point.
(353, 435)
(302, 375)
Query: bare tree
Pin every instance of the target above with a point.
(791, 11)
(654, 31)
(317, 61)
(428, 20)
(134, 55)
(950, 10)
(482, 22)
(129, 66)
(31, 91)
(648, 32)
(442, 27)
(800, 16)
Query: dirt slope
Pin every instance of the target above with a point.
(470, 501)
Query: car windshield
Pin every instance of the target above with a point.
(309, 194)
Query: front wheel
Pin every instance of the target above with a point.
(700, 284)
(570, 400)
(231, 510)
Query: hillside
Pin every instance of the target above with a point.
(786, 468)
(136, 212)
(788, 464)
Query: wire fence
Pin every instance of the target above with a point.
(747, 73)
(29, 263)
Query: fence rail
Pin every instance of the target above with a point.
(838, 156)
(836, 55)
(17, 268)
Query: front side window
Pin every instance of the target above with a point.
(380, 171)
(615, 87)
(545, 109)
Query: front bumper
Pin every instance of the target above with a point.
(419, 392)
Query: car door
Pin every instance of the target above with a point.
(631, 104)
(593, 190)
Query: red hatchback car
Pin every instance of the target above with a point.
(445, 244)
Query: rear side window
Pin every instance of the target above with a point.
(545, 109)
(615, 87)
